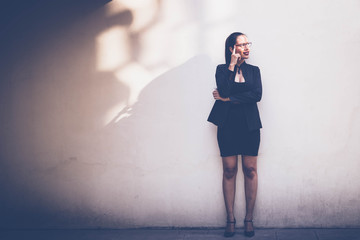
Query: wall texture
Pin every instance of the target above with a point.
(103, 109)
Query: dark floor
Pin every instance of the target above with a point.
(175, 234)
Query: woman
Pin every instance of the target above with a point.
(236, 114)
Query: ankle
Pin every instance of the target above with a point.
(230, 218)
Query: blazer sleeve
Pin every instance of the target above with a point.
(252, 96)
(224, 79)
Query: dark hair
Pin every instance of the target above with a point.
(230, 42)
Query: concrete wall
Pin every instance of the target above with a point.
(104, 104)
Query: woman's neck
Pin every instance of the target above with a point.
(240, 62)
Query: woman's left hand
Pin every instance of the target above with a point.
(218, 97)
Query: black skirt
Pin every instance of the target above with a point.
(234, 138)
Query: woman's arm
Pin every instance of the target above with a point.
(250, 96)
(224, 78)
(223, 91)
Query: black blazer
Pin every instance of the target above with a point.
(224, 81)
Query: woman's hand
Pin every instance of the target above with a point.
(218, 97)
(235, 57)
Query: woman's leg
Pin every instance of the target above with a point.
(230, 167)
(249, 166)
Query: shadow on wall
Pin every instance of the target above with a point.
(161, 145)
(48, 83)
(167, 112)
(58, 165)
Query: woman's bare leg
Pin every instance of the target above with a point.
(230, 167)
(249, 166)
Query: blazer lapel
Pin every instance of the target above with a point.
(246, 73)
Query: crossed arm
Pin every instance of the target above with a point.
(224, 82)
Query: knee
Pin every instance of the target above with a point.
(230, 172)
(250, 172)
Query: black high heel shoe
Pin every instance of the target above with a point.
(248, 233)
(230, 234)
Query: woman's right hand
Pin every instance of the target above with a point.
(235, 57)
(217, 96)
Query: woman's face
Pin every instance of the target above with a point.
(242, 47)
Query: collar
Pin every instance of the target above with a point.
(242, 66)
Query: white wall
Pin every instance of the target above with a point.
(103, 118)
